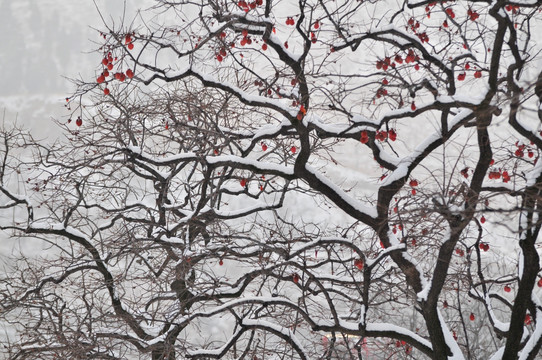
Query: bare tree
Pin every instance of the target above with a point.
(276, 179)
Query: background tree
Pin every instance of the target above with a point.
(276, 180)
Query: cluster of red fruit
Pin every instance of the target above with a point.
(520, 150)
(359, 264)
(496, 174)
(463, 75)
(78, 121)
(484, 246)
(119, 76)
(423, 37)
(249, 6)
(411, 57)
(513, 8)
(364, 137)
(290, 21)
(428, 11)
(244, 181)
(473, 15)
(387, 62)
(381, 92)
(414, 26)
(383, 135)
(413, 184)
(460, 252)
(129, 41)
(313, 37)
(384, 64)
(221, 55)
(380, 135)
(408, 348)
(301, 113)
(107, 62)
(246, 40)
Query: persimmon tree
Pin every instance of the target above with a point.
(277, 179)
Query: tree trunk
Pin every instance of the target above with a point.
(163, 351)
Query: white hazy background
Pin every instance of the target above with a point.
(44, 43)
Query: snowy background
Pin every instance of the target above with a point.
(44, 44)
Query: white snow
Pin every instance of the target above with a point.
(399, 330)
(535, 337)
(259, 165)
(496, 322)
(450, 341)
(498, 354)
(369, 211)
(406, 162)
(249, 98)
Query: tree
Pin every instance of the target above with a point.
(276, 180)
